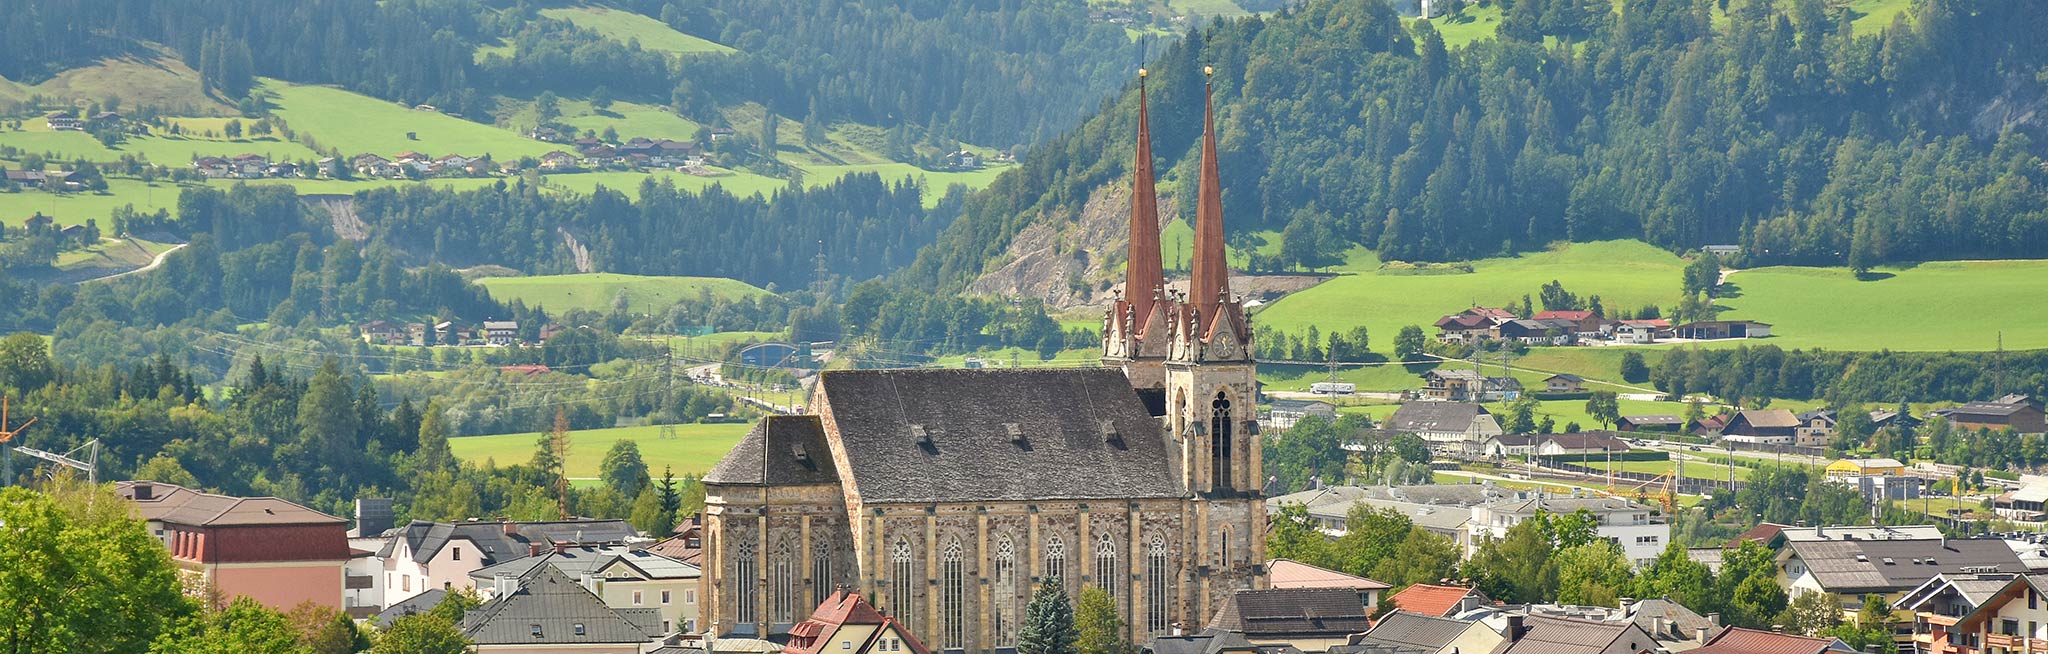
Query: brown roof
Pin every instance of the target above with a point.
(1288, 573)
(1766, 418)
(1562, 315)
(174, 504)
(1433, 600)
(1737, 640)
(1292, 613)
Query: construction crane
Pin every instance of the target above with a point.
(7, 447)
(90, 465)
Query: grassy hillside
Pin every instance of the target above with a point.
(164, 82)
(1950, 305)
(595, 291)
(36, 136)
(694, 449)
(1622, 273)
(626, 26)
(357, 123)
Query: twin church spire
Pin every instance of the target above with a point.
(1148, 322)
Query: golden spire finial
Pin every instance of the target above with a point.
(1141, 72)
(1208, 70)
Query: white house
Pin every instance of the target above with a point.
(1451, 428)
(1642, 536)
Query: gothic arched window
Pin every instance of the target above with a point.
(901, 574)
(1056, 560)
(744, 579)
(821, 568)
(1006, 592)
(782, 585)
(952, 597)
(1158, 586)
(1106, 576)
(1220, 435)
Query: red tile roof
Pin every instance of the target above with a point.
(1737, 640)
(813, 635)
(1573, 316)
(1426, 599)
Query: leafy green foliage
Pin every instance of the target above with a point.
(82, 576)
(429, 633)
(1097, 627)
(623, 470)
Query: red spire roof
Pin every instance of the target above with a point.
(1143, 273)
(1211, 275)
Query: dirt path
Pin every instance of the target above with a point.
(153, 263)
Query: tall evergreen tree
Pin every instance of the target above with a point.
(1048, 621)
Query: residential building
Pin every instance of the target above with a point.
(1711, 330)
(423, 555)
(1450, 428)
(1594, 444)
(1538, 332)
(271, 550)
(1284, 413)
(687, 545)
(1439, 601)
(1761, 426)
(1973, 613)
(846, 624)
(1464, 328)
(63, 121)
(549, 612)
(1541, 634)
(558, 161)
(1288, 573)
(1444, 516)
(1507, 445)
(1641, 332)
(624, 578)
(1877, 488)
(1641, 534)
(1402, 631)
(2029, 502)
(1858, 567)
(1307, 619)
(2020, 413)
(501, 332)
(414, 605)
(383, 331)
(1815, 428)
(1584, 324)
(1860, 467)
(1655, 422)
(1740, 640)
(1709, 426)
(1564, 383)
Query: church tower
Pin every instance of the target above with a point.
(1134, 329)
(1211, 395)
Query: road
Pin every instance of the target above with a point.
(153, 263)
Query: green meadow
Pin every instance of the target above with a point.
(596, 291)
(1625, 274)
(1934, 306)
(36, 137)
(355, 123)
(694, 449)
(626, 26)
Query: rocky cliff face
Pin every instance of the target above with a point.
(1069, 260)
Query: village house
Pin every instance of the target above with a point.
(1472, 325)
(1659, 422)
(1451, 428)
(1864, 566)
(383, 332)
(1435, 511)
(1584, 324)
(1581, 444)
(1439, 601)
(27, 178)
(501, 332)
(38, 223)
(421, 556)
(1405, 631)
(625, 578)
(1967, 612)
(1285, 413)
(558, 161)
(1305, 619)
(1542, 634)
(63, 121)
(1712, 330)
(104, 120)
(1564, 383)
(274, 551)
(1741, 640)
(846, 624)
(1642, 536)
(1288, 573)
(250, 165)
(1815, 428)
(1761, 427)
(1640, 332)
(213, 167)
(1507, 445)
(1464, 385)
(1537, 332)
(547, 611)
(2020, 413)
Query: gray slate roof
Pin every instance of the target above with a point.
(557, 604)
(1292, 613)
(1414, 630)
(427, 538)
(1548, 635)
(1213, 641)
(992, 435)
(416, 604)
(779, 451)
(578, 561)
(1434, 416)
(1835, 566)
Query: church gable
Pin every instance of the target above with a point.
(984, 435)
(779, 451)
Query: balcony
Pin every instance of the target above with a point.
(2022, 643)
(358, 582)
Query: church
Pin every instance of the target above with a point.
(946, 496)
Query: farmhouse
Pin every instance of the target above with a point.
(63, 121)
(558, 161)
(1761, 426)
(1460, 385)
(2020, 413)
(1579, 444)
(1710, 330)
(383, 331)
(213, 167)
(1537, 332)
(250, 165)
(1585, 324)
(1285, 413)
(1450, 428)
(1654, 422)
(1463, 328)
(27, 177)
(501, 332)
(1641, 332)
(1564, 383)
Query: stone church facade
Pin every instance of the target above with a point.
(946, 496)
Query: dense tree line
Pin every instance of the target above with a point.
(1782, 131)
(862, 225)
(1753, 373)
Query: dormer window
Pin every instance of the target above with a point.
(579, 628)
(536, 629)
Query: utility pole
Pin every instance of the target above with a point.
(6, 442)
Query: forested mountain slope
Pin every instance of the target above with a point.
(1668, 120)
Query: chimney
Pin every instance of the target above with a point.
(559, 546)
(511, 528)
(1176, 629)
(1820, 531)
(373, 516)
(1658, 627)
(1699, 635)
(1714, 619)
(504, 584)
(1626, 603)
(1515, 629)
(144, 491)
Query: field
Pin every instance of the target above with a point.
(357, 123)
(595, 291)
(627, 118)
(624, 26)
(112, 254)
(694, 449)
(36, 137)
(1473, 24)
(1622, 273)
(76, 208)
(163, 82)
(1929, 306)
